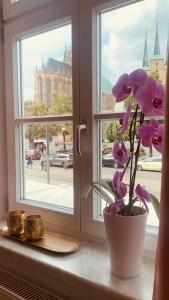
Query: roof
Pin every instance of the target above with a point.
(156, 57)
(54, 65)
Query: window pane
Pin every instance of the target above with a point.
(48, 163)
(149, 165)
(126, 46)
(46, 73)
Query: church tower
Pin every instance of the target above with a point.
(145, 55)
(157, 43)
(68, 56)
(157, 66)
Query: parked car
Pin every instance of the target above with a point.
(151, 163)
(64, 160)
(108, 161)
(35, 154)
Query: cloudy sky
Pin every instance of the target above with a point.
(123, 35)
(38, 49)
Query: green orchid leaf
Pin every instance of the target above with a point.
(86, 192)
(156, 205)
(103, 195)
(101, 189)
(106, 184)
(115, 193)
(103, 192)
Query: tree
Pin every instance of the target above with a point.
(37, 108)
(113, 132)
(130, 100)
(61, 104)
(156, 76)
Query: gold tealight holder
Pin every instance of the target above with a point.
(33, 227)
(15, 222)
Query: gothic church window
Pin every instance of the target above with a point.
(48, 91)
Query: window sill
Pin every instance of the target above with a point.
(81, 275)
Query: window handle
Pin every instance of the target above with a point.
(79, 128)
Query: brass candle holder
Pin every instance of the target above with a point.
(15, 222)
(33, 227)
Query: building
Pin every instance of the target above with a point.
(54, 77)
(157, 64)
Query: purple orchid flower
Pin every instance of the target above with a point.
(137, 78)
(114, 207)
(120, 153)
(158, 100)
(152, 135)
(117, 184)
(143, 195)
(150, 97)
(122, 89)
(157, 139)
(128, 83)
(125, 120)
(146, 133)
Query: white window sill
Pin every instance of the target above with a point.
(81, 275)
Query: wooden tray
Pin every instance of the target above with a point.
(51, 241)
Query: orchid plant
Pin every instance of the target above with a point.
(149, 100)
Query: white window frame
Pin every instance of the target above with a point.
(85, 61)
(44, 19)
(88, 20)
(11, 10)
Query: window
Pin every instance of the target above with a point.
(119, 45)
(45, 116)
(112, 59)
(48, 58)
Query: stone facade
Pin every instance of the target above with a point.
(158, 66)
(54, 78)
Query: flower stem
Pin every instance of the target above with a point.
(132, 135)
(137, 152)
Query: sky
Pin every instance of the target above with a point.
(123, 36)
(38, 49)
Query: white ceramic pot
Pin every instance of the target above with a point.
(125, 237)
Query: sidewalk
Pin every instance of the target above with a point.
(57, 195)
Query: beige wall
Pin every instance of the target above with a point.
(159, 66)
(3, 146)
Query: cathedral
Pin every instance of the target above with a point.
(54, 77)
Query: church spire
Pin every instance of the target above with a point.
(157, 43)
(65, 54)
(167, 54)
(68, 56)
(145, 56)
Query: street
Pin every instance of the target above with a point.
(59, 185)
